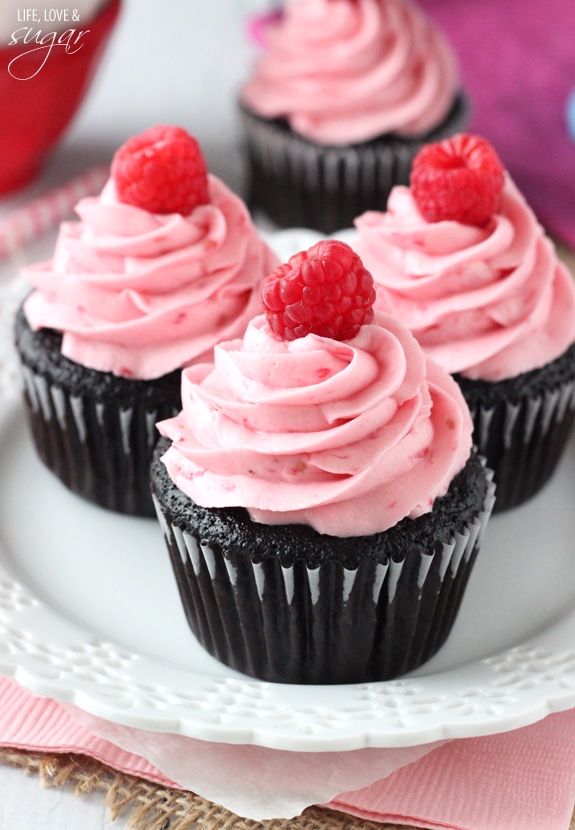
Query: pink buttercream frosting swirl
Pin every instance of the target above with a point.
(487, 302)
(140, 294)
(346, 71)
(349, 436)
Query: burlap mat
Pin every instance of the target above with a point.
(152, 807)
(149, 806)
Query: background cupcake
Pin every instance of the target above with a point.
(318, 494)
(342, 98)
(162, 264)
(461, 259)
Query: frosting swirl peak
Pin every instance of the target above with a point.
(487, 302)
(140, 294)
(346, 436)
(345, 72)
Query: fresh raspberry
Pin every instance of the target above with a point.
(325, 291)
(460, 179)
(161, 170)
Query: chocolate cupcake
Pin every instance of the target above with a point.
(162, 264)
(94, 430)
(522, 425)
(480, 285)
(319, 495)
(341, 100)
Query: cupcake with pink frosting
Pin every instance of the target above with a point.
(318, 492)
(344, 94)
(162, 265)
(461, 259)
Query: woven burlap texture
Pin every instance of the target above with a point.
(152, 807)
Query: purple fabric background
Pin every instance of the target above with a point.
(517, 60)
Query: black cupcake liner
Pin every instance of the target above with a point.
(521, 426)
(298, 183)
(94, 431)
(284, 619)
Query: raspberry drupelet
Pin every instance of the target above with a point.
(161, 170)
(458, 179)
(325, 290)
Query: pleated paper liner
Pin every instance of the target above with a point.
(298, 183)
(373, 613)
(522, 425)
(94, 431)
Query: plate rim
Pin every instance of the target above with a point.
(513, 688)
(52, 655)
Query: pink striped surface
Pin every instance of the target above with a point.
(47, 211)
(519, 780)
(40, 724)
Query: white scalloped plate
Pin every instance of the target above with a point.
(89, 613)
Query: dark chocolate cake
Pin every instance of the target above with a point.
(93, 430)
(287, 604)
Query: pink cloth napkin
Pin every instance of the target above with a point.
(35, 723)
(519, 780)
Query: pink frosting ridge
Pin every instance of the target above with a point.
(140, 294)
(348, 437)
(346, 71)
(488, 302)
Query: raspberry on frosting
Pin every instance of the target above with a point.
(348, 437)
(325, 290)
(140, 293)
(161, 170)
(487, 301)
(459, 179)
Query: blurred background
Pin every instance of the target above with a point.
(179, 63)
(183, 62)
